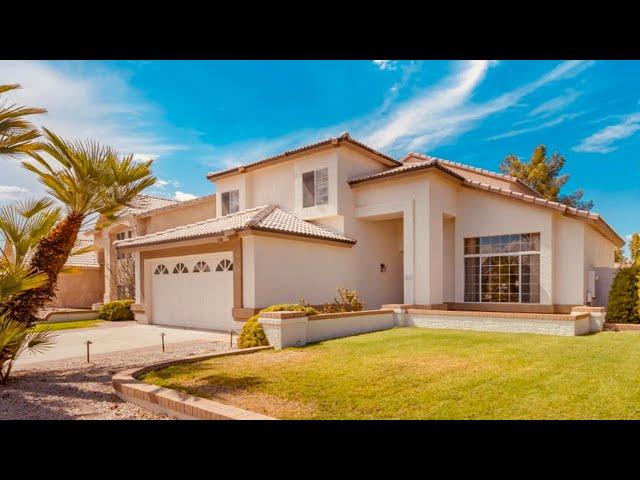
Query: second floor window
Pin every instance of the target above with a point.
(121, 236)
(315, 187)
(230, 202)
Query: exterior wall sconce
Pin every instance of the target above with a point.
(383, 267)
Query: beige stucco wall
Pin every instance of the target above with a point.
(568, 260)
(80, 289)
(278, 270)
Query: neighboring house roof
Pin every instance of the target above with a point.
(86, 260)
(176, 204)
(342, 139)
(438, 164)
(268, 218)
(145, 203)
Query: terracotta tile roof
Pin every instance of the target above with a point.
(87, 260)
(464, 167)
(432, 162)
(344, 138)
(269, 218)
(145, 203)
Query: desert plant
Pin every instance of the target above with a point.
(86, 178)
(15, 339)
(116, 311)
(252, 334)
(346, 301)
(623, 297)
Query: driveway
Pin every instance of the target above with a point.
(112, 338)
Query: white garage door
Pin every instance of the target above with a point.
(194, 291)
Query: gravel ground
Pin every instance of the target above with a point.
(74, 390)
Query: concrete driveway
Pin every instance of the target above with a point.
(115, 337)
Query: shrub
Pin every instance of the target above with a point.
(623, 297)
(252, 334)
(346, 301)
(117, 311)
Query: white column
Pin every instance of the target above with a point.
(136, 259)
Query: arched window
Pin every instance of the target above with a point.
(201, 266)
(224, 266)
(180, 268)
(161, 270)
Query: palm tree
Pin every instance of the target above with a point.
(23, 224)
(17, 135)
(87, 178)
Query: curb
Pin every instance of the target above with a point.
(177, 404)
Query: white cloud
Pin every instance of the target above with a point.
(560, 119)
(603, 141)
(160, 183)
(83, 101)
(385, 64)
(445, 111)
(11, 192)
(555, 104)
(182, 196)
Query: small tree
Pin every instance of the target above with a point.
(634, 249)
(543, 175)
(623, 297)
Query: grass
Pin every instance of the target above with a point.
(68, 325)
(411, 373)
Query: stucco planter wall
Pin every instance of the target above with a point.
(296, 329)
(177, 404)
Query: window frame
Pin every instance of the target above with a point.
(534, 241)
(226, 197)
(316, 187)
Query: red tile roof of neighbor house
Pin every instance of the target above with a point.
(267, 218)
(145, 203)
(342, 139)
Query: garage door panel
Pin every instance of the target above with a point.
(198, 295)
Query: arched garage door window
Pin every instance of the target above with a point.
(224, 266)
(161, 270)
(180, 268)
(201, 266)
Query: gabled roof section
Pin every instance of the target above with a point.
(475, 174)
(267, 218)
(343, 139)
(435, 163)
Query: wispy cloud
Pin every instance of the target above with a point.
(555, 105)
(445, 111)
(551, 123)
(182, 196)
(603, 141)
(385, 64)
(12, 192)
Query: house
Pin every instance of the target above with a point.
(422, 232)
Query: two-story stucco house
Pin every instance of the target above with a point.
(421, 231)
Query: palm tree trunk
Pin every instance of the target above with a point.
(49, 257)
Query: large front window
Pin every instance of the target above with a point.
(502, 268)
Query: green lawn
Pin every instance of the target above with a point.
(68, 325)
(411, 373)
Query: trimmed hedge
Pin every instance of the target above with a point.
(117, 311)
(623, 298)
(252, 334)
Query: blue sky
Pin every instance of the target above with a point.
(195, 116)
